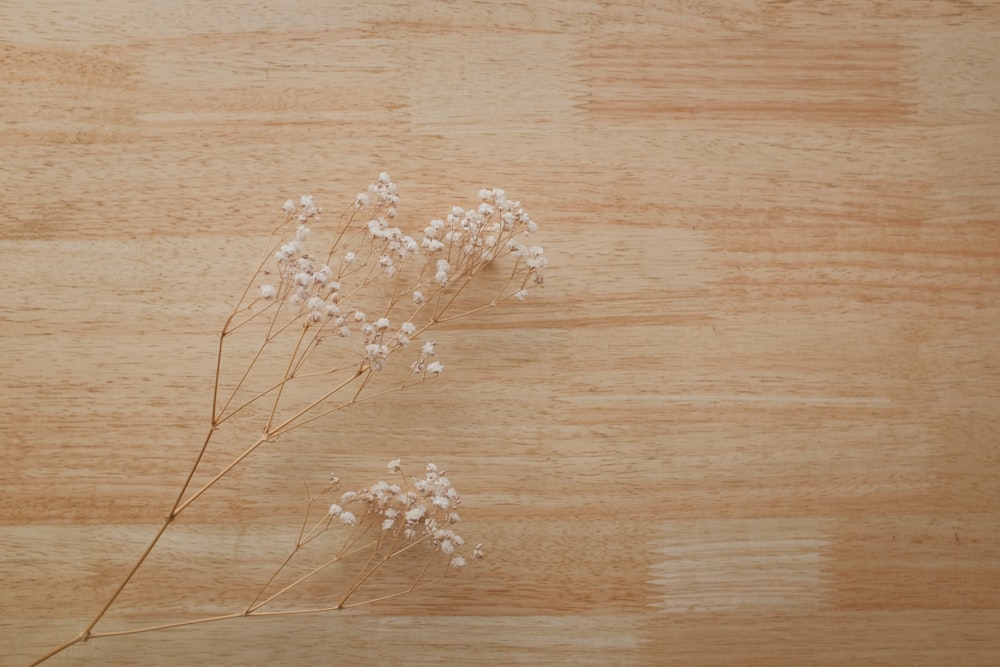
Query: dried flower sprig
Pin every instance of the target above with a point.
(388, 519)
(316, 330)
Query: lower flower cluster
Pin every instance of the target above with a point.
(410, 511)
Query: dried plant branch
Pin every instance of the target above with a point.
(297, 313)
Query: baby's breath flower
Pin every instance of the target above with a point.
(335, 509)
(458, 562)
(394, 466)
(268, 291)
(289, 206)
(348, 518)
(376, 354)
(349, 258)
(435, 368)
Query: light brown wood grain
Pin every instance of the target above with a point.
(751, 418)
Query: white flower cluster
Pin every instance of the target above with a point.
(423, 365)
(330, 297)
(392, 244)
(297, 270)
(319, 291)
(381, 195)
(381, 338)
(467, 240)
(302, 270)
(426, 512)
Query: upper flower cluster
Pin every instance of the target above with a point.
(327, 292)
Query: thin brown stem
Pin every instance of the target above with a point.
(218, 366)
(289, 423)
(82, 637)
(316, 570)
(457, 316)
(451, 299)
(194, 467)
(225, 471)
(86, 634)
(254, 314)
(413, 588)
(302, 540)
(218, 416)
(363, 576)
(287, 376)
(167, 626)
(279, 430)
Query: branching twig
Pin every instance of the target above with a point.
(290, 293)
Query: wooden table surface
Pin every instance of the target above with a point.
(751, 417)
